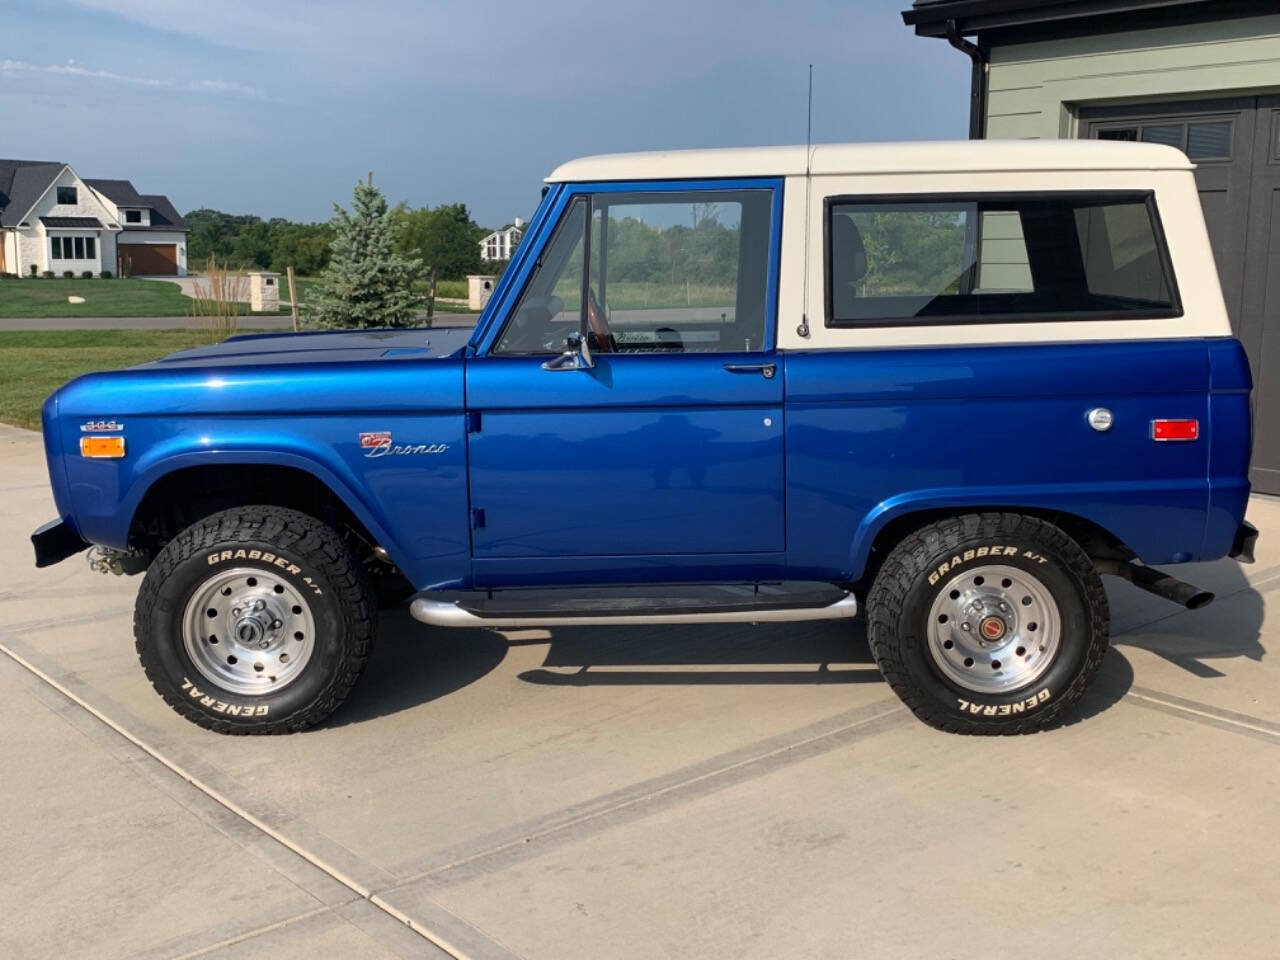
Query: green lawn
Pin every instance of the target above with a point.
(35, 363)
(457, 289)
(102, 298)
(307, 287)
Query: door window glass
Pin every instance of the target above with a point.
(680, 272)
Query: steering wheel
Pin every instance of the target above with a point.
(599, 325)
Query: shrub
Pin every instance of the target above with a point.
(68, 274)
(8, 276)
(106, 274)
(87, 275)
(48, 274)
(33, 270)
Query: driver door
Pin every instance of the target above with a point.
(660, 446)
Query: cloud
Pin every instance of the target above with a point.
(73, 69)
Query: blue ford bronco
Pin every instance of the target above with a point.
(951, 384)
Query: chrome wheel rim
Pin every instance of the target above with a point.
(994, 629)
(248, 631)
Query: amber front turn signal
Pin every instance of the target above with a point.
(102, 447)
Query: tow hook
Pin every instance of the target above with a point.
(105, 560)
(1154, 581)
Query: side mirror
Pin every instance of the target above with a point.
(576, 356)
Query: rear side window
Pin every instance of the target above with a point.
(992, 259)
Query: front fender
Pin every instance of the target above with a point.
(308, 416)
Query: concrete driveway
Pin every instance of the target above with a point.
(634, 793)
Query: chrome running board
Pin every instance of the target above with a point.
(747, 606)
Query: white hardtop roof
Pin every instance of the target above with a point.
(932, 156)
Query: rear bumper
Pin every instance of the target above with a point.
(1242, 546)
(56, 541)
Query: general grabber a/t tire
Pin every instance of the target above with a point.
(988, 623)
(254, 620)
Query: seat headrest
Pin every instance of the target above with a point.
(846, 245)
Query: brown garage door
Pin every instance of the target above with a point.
(1235, 144)
(149, 259)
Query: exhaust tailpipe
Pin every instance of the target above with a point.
(1161, 584)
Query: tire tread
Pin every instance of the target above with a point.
(291, 530)
(909, 559)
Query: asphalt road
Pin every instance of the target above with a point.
(634, 793)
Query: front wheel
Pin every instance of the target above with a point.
(254, 620)
(988, 624)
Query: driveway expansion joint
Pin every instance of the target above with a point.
(357, 888)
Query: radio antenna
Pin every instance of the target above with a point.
(803, 329)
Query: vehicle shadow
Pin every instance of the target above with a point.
(1227, 629)
(413, 664)
(819, 652)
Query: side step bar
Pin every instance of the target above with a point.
(730, 604)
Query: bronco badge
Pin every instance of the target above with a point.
(379, 444)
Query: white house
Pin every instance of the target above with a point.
(52, 219)
(501, 244)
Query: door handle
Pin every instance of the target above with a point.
(767, 370)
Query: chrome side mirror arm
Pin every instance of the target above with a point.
(576, 356)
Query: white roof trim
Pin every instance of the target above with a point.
(938, 156)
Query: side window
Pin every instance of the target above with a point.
(678, 272)
(681, 272)
(995, 259)
(550, 309)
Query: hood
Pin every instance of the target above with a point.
(322, 347)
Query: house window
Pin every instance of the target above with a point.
(89, 253)
(133, 216)
(79, 248)
(995, 259)
(1205, 140)
(67, 196)
(56, 253)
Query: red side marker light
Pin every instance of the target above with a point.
(1175, 429)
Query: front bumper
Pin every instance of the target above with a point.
(1242, 546)
(56, 541)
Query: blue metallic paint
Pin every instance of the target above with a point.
(643, 455)
(301, 416)
(875, 434)
(659, 467)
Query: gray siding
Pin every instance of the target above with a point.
(1033, 88)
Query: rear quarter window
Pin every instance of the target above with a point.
(899, 261)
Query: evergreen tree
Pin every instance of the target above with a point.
(367, 283)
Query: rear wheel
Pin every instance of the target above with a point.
(254, 620)
(992, 623)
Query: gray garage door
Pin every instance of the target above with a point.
(1236, 146)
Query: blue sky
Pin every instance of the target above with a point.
(276, 107)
